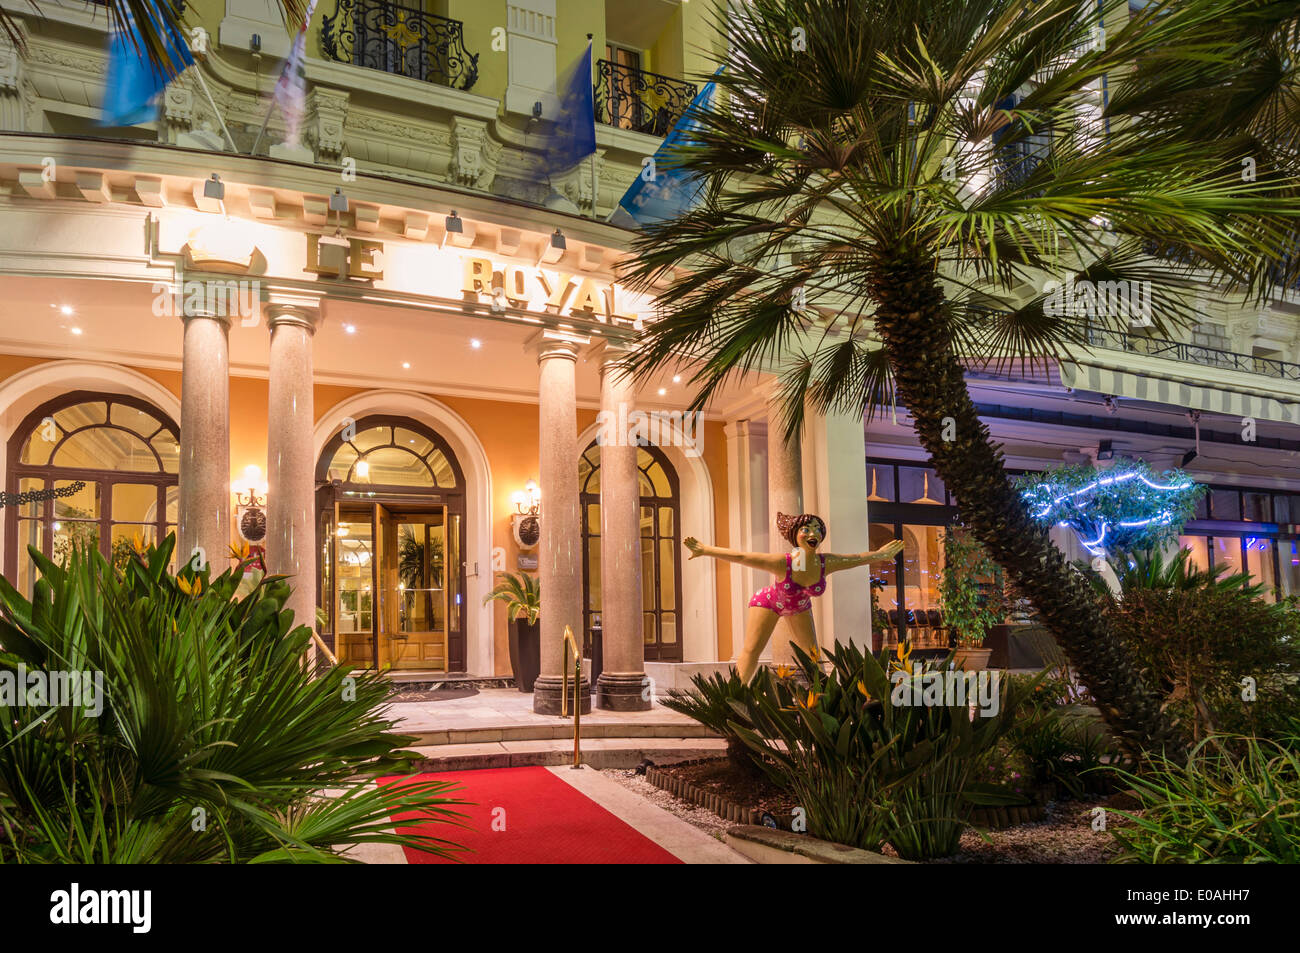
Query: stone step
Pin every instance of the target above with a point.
(596, 753)
(554, 732)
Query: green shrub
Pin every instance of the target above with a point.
(1197, 635)
(1235, 800)
(709, 703)
(863, 769)
(214, 743)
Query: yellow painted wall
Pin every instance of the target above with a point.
(479, 18)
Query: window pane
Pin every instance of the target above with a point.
(593, 519)
(73, 534)
(1225, 505)
(443, 474)
(1260, 565)
(648, 627)
(453, 568)
(1202, 511)
(373, 437)
(32, 508)
(341, 466)
(880, 478)
(589, 471)
(38, 447)
(668, 628)
(659, 479)
(647, 521)
(416, 443)
(1200, 550)
(106, 448)
(133, 419)
(648, 573)
(667, 577)
(665, 521)
(922, 552)
(919, 485)
(84, 504)
(1258, 507)
(29, 534)
(391, 466)
(887, 598)
(1227, 553)
(1289, 563)
(135, 503)
(593, 574)
(81, 415)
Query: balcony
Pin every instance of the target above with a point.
(639, 100)
(399, 40)
(1193, 354)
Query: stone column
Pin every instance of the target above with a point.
(621, 685)
(747, 515)
(838, 494)
(203, 534)
(784, 495)
(560, 547)
(290, 480)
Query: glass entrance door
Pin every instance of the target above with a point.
(413, 590)
(354, 586)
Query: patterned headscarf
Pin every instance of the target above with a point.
(788, 526)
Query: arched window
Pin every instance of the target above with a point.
(124, 450)
(661, 571)
(391, 536)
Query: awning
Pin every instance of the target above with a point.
(1177, 393)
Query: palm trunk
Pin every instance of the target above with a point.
(930, 383)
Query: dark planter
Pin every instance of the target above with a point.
(525, 653)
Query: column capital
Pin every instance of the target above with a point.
(302, 312)
(553, 343)
(189, 314)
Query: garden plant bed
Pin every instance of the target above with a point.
(728, 791)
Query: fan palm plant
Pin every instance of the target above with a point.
(889, 186)
(521, 593)
(208, 741)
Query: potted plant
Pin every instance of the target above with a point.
(970, 608)
(522, 595)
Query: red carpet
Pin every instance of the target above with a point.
(546, 822)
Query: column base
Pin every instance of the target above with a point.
(548, 691)
(623, 692)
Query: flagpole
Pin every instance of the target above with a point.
(217, 112)
(592, 53)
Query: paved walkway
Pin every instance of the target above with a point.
(504, 707)
(563, 816)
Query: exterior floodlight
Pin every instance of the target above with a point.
(557, 240)
(454, 223)
(338, 201)
(214, 188)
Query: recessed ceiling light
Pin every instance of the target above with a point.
(350, 329)
(406, 365)
(677, 378)
(663, 391)
(475, 343)
(67, 309)
(75, 330)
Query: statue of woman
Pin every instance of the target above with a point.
(790, 598)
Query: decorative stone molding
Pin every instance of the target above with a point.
(327, 115)
(576, 185)
(474, 155)
(177, 111)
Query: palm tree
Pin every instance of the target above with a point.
(848, 237)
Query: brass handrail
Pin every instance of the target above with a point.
(321, 646)
(571, 643)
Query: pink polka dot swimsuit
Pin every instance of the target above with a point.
(787, 597)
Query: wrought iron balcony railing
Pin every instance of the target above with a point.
(1193, 354)
(639, 100)
(399, 40)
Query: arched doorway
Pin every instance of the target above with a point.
(391, 541)
(661, 571)
(126, 454)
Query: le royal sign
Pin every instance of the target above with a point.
(472, 277)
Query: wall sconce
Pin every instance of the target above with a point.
(250, 498)
(524, 524)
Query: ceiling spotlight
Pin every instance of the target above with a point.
(338, 201)
(557, 240)
(406, 365)
(214, 188)
(475, 343)
(76, 331)
(349, 329)
(67, 309)
(454, 223)
(1188, 457)
(677, 378)
(663, 392)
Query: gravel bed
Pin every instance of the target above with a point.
(696, 816)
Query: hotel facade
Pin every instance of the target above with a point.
(363, 351)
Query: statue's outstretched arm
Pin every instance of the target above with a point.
(766, 562)
(835, 562)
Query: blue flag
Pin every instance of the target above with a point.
(571, 135)
(133, 81)
(665, 190)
